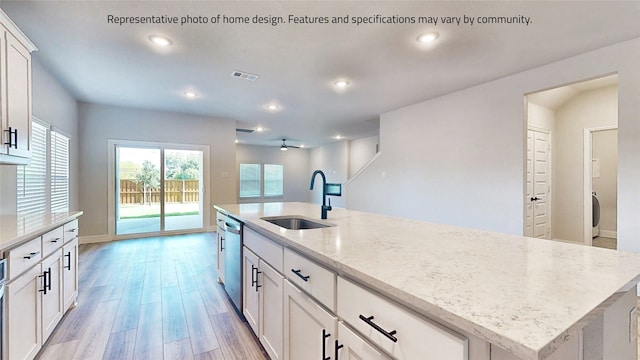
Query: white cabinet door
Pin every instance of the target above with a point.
(52, 294)
(17, 97)
(70, 274)
(352, 347)
(309, 330)
(271, 293)
(250, 298)
(220, 256)
(24, 339)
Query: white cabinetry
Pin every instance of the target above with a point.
(262, 292)
(70, 264)
(40, 289)
(52, 310)
(396, 330)
(220, 217)
(309, 329)
(15, 93)
(23, 310)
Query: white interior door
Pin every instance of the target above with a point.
(538, 188)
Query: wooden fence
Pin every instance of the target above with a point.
(175, 191)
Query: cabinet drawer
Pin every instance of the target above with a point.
(268, 250)
(23, 257)
(70, 230)
(415, 337)
(311, 277)
(52, 241)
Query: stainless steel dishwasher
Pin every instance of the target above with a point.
(233, 261)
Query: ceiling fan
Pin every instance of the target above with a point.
(284, 145)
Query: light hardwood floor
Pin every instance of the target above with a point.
(155, 299)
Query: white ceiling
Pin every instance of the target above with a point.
(297, 63)
(556, 97)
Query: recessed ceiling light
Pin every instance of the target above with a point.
(272, 107)
(338, 137)
(237, 141)
(428, 37)
(342, 83)
(190, 94)
(160, 40)
(259, 129)
(301, 145)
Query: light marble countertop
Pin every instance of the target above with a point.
(17, 229)
(522, 294)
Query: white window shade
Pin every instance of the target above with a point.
(59, 172)
(32, 178)
(249, 180)
(273, 180)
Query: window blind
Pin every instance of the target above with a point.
(59, 172)
(273, 180)
(32, 178)
(249, 180)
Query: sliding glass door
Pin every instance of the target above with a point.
(182, 188)
(157, 189)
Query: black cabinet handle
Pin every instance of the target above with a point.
(221, 243)
(13, 134)
(55, 240)
(254, 279)
(31, 255)
(45, 286)
(68, 255)
(73, 230)
(49, 282)
(535, 198)
(387, 334)
(338, 347)
(303, 277)
(325, 335)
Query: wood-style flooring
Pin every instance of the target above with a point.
(152, 299)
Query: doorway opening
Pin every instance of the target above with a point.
(156, 188)
(566, 161)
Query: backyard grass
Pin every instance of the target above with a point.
(138, 211)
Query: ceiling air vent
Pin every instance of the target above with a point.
(244, 75)
(248, 131)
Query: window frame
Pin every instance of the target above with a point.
(47, 180)
(262, 180)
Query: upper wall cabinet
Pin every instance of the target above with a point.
(15, 93)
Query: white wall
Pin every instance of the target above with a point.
(295, 162)
(540, 117)
(361, 151)
(591, 109)
(605, 148)
(459, 158)
(98, 123)
(333, 160)
(55, 106)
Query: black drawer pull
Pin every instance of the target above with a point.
(55, 240)
(303, 277)
(254, 278)
(338, 347)
(325, 335)
(389, 335)
(68, 255)
(31, 255)
(13, 138)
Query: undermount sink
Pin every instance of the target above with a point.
(295, 222)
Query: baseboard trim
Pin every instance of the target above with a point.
(609, 234)
(91, 239)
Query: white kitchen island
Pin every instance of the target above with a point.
(510, 296)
